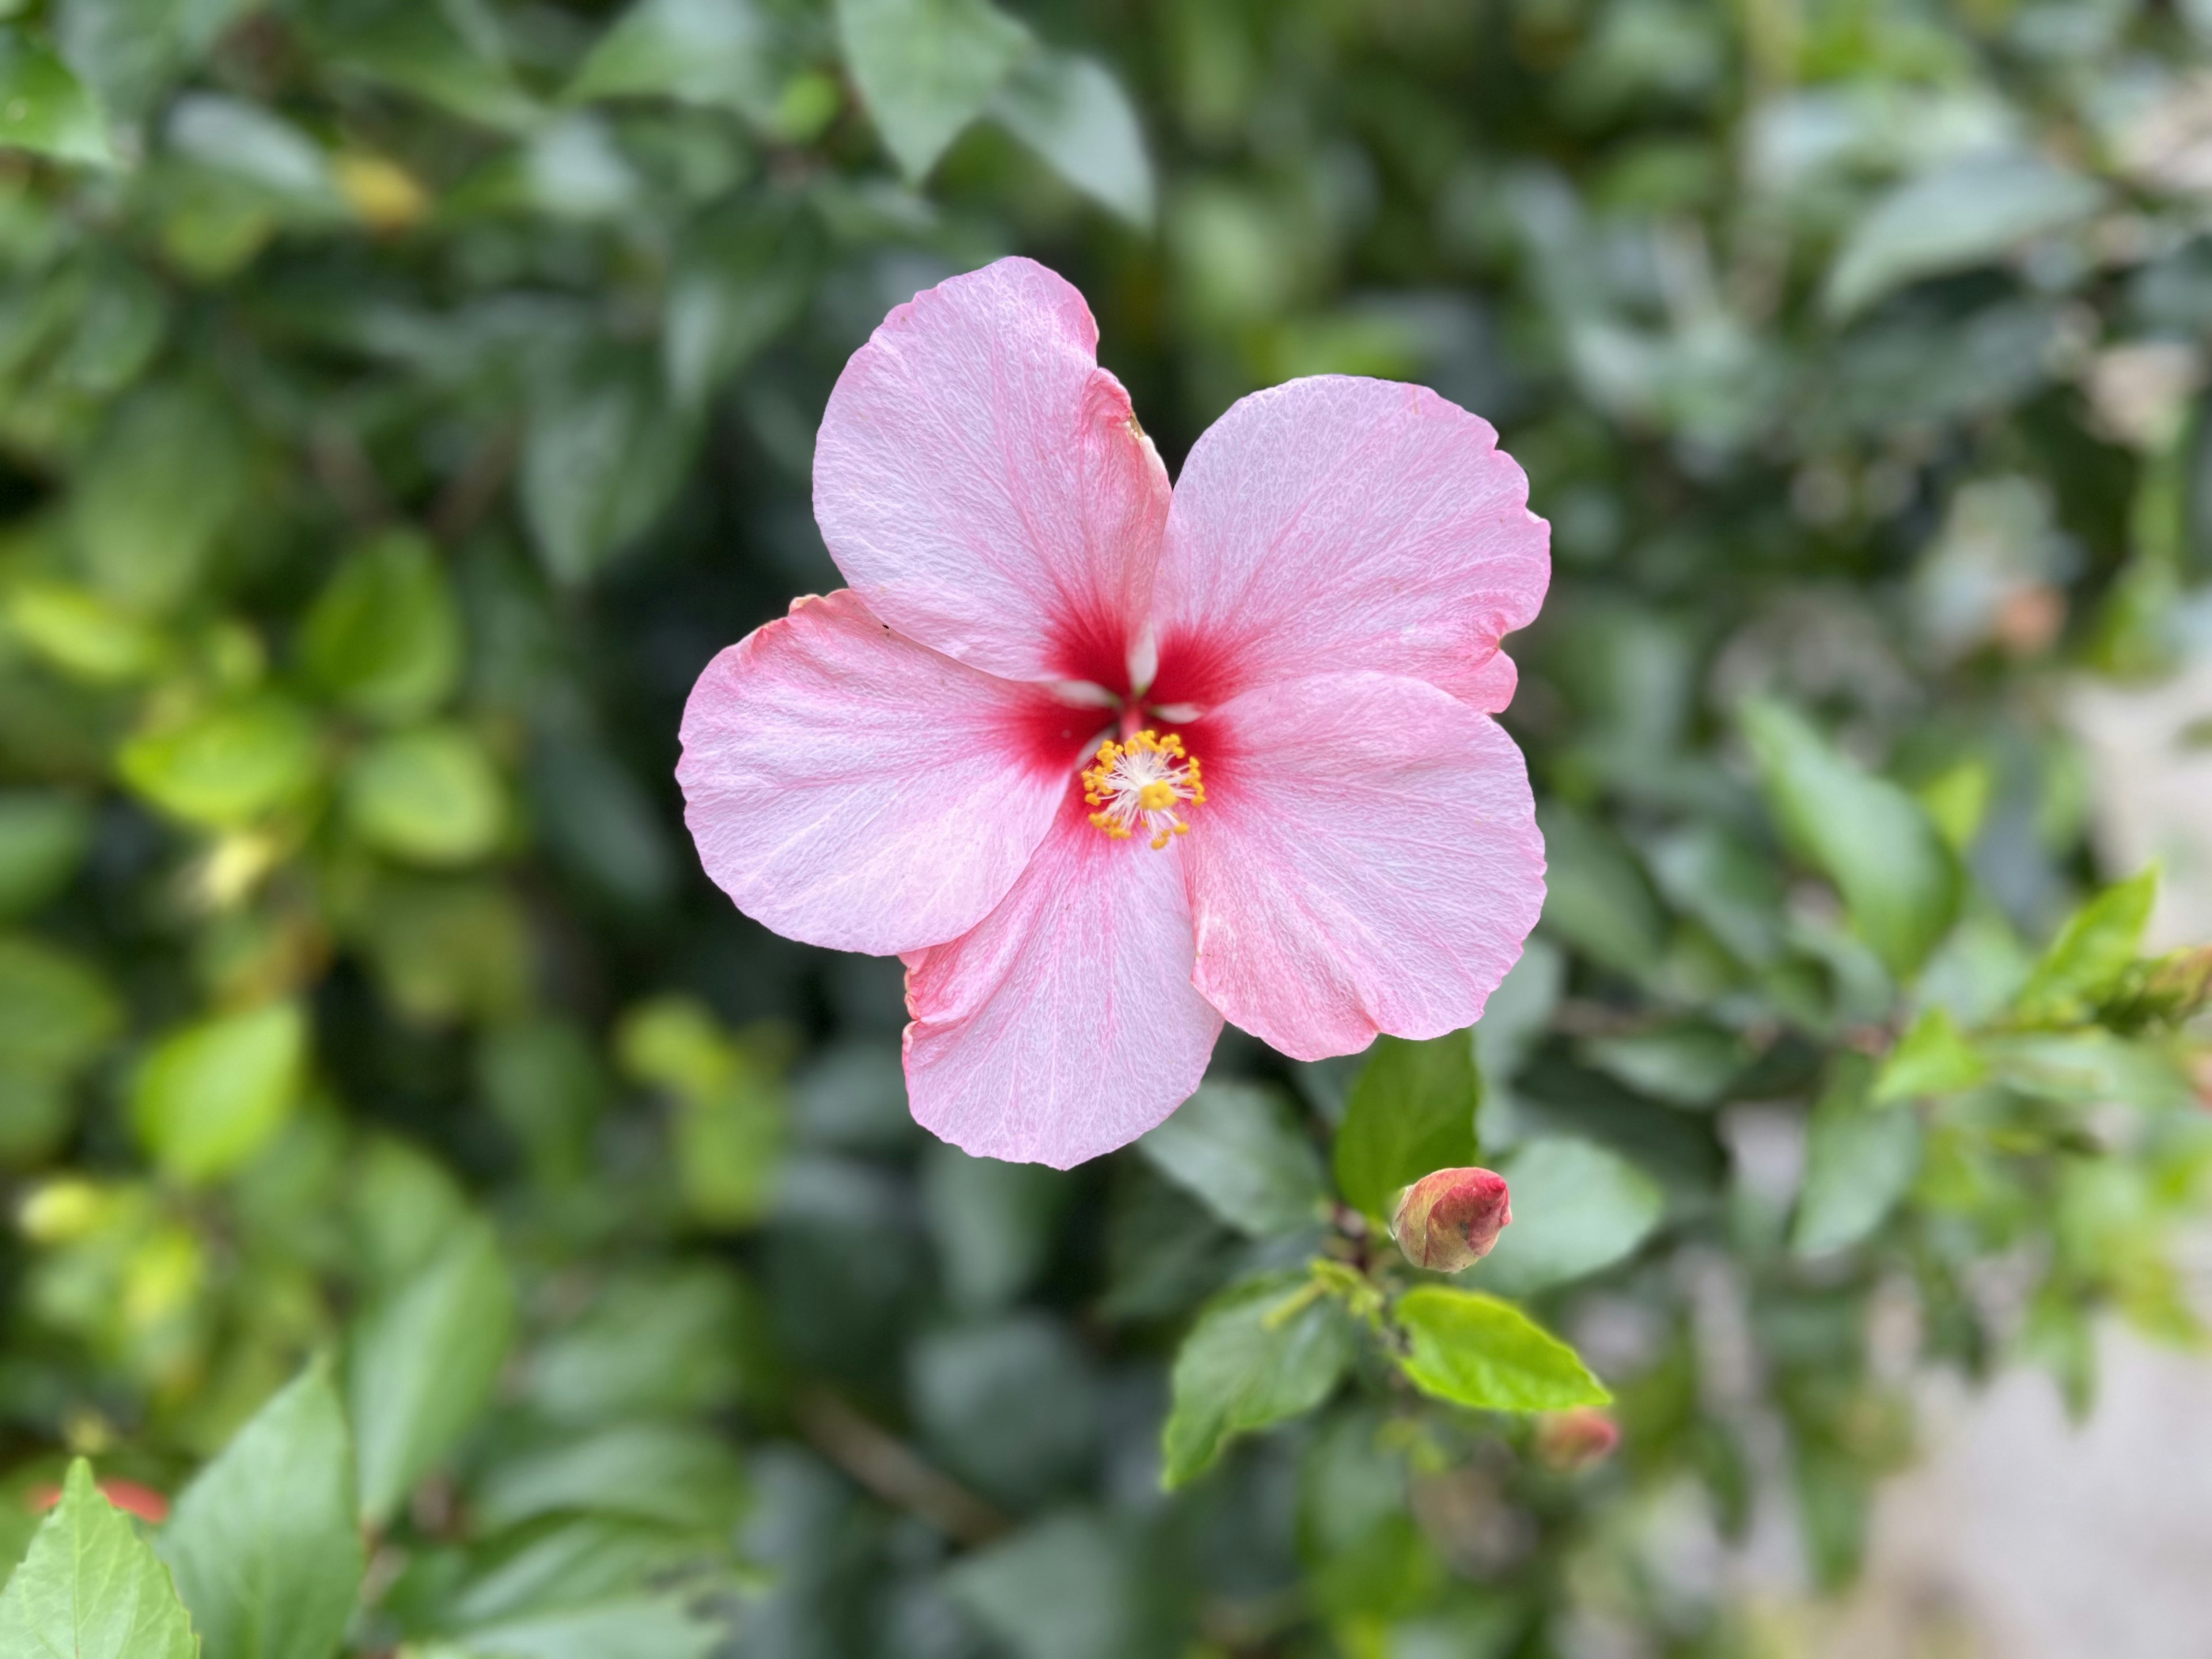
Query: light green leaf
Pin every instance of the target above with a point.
(264, 1542)
(422, 1365)
(1871, 838)
(2094, 950)
(1072, 112)
(83, 634)
(604, 455)
(55, 1011)
(44, 108)
(715, 52)
(1235, 1147)
(431, 796)
(1411, 1112)
(226, 767)
(1970, 213)
(384, 638)
(90, 1587)
(43, 837)
(1477, 1351)
(1577, 1208)
(1859, 1161)
(212, 1095)
(1262, 1351)
(926, 68)
(257, 148)
(1930, 1059)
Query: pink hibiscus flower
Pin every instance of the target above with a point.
(1105, 763)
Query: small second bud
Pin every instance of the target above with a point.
(1450, 1219)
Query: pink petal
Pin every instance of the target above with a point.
(1337, 524)
(982, 483)
(851, 788)
(1367, 860)
(1065, 1025)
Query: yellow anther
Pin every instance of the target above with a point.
(1138, 785)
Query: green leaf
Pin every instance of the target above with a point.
(1262, 1350)
(740, 279)
(1595, 897)
(1930, 1059)
(168, 476)
(212, 1095)
(926, 68)
(44, 108)
(55, 1011)
(226, 767)
(2095, 948)
(384, 638)
(715, 52)
(128, 51)
(603, 456)
(1064, 1587)
(1970, 213)
(447, 54)
(1871, 838)
(43, 837)
(1072, 112)
(1859, 1161)
(83, 634)
(431, 796)
(1477, 1351)
(1687, 1065)
(1411, 1112)
(643, 1626)
(678, 1475)
(264, 1542)
(90, 1587)
(422, 1365)
(1235, 1147)
(1577, 1208)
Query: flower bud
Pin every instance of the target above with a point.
(1450, 1219)
(1572, 1440)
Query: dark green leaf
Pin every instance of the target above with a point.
(264, 1542)
(1262, 1351)
(1477, 1351)
(1411, 1112)
(422, 1365)
(42, 835)
(602, 456)
(1236, 1148)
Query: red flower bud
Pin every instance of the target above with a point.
(1575, 1439)
(1450, 1219)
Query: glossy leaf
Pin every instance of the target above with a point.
(1477, 1351)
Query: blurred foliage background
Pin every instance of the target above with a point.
(401, 400)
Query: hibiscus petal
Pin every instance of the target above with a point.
(1367, 860)
(1065, 1025)
(851, 788)
(1337, 524)
(982, 483)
